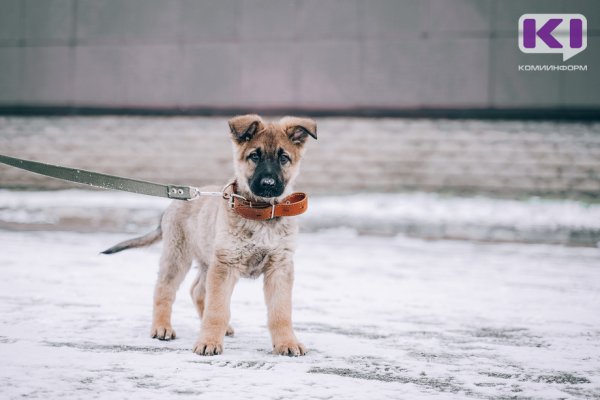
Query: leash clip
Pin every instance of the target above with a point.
(196, 193)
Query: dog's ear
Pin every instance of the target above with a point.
(298, 129)
(244, 127)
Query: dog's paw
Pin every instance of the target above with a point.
(162, 332)
(208, 347)
(229, 331)
(292, 348)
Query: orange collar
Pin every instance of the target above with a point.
(294, 204)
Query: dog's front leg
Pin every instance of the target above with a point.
(278, 283)
(220, 281)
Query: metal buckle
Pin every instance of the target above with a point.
(232, 197)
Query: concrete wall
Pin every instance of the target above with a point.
(332, 54)
(352, 155)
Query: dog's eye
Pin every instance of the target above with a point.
(283, 159)
(254, 157)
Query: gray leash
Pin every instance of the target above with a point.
(108, 181)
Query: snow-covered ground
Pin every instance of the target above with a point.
(383, 317)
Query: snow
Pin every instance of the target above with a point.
(433, 208)
(382, 317)
(437, 216)
(381, 207)
(14, 199)
(418, 214)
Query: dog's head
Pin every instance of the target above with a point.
(267, 155)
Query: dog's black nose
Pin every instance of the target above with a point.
(267, 182)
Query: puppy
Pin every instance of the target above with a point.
(228, 246)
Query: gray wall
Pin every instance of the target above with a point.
(334, 54)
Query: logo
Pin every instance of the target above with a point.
(553, 33)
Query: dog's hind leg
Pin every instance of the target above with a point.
(198, 293)
(198, 290)
(175, 262)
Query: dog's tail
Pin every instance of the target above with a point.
(142, 241)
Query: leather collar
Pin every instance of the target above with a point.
(294, 204)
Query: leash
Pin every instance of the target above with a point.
(294, 204)
(105, 181)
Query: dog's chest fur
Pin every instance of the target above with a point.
(255, 263)
(255, 244)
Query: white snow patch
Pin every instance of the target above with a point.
(436, 208)
(428, 208)
(78, 198)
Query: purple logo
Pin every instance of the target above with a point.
(553, 33)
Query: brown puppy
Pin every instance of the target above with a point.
(227, 246)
